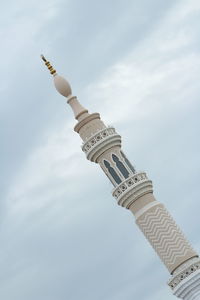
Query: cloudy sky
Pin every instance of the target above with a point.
(137, 63)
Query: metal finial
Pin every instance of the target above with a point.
(49, 66)
(43, 58)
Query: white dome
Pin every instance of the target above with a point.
(62, 86)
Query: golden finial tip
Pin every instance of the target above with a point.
(43, 58)
(49, 66)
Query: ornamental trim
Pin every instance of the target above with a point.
(100, 142)
(97, 137)
(132, 188)
(192, 268)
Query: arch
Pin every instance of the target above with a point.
(120, 166)
(128, 162)
(112, 172)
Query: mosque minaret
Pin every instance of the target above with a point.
(134, 191)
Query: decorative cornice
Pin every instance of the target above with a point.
(132, 188)
(101, 142)
(191, 267)
(86, 120)
(189, 288)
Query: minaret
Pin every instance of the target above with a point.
(134, 191)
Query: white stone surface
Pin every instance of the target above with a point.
(189, 288)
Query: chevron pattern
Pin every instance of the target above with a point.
(165, 237)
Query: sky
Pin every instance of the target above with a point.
(137, 63)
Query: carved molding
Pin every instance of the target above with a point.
(190, 267)
(132, 188)
(189, 288)
(86, 120)
(101, 142)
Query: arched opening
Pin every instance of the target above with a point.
(112, 172)
(128, 162)
(120, 166)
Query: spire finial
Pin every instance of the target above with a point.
(49, 66)
(64, 88)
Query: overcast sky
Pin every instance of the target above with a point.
(137, 63)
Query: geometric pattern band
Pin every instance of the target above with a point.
(165, 237)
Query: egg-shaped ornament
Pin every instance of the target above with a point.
(62, 85)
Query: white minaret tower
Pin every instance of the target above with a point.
(134, 191)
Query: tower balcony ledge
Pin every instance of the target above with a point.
(189, 288)
(100, 142)
(132, 188)
(183, 273)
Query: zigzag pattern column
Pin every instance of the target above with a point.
(165, 236)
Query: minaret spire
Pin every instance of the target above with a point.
(64, 88)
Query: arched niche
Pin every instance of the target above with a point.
(120, 166)
(112, 172)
